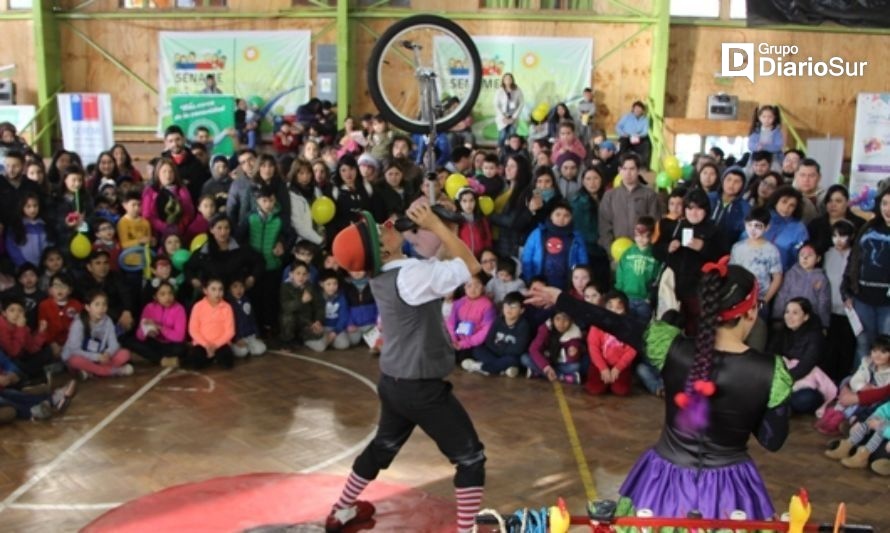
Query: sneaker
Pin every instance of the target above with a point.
(62, 396)
(529, 374)
(572, 378)
(169, 362)
(125, 370)
(471, 365)
(83, 375)
(511, 372)
(362, 511)
(41, 411)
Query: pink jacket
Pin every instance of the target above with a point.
(171, 322)
(816, 379)
(158, 224)
(478, 314)
(608, 352)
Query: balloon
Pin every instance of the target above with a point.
(539, 113)
(616, 182)
(80, 246)
(323, 210)
(199, 241)
(619, 246)
(663, 180)
(454, 183)
(688, 170)
(255, 101)
(674, 173)
(671, 162)
(486, 205)
(180, 258)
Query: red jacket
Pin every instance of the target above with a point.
(18, 341)
(58, 319)
(608, 352)
(874, 396)
(476, 235)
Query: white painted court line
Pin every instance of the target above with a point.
(63, 506)
(354, 449)
(45, 471)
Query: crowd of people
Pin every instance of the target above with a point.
(196, 260)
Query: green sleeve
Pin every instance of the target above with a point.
(658, 338)
(782, 382)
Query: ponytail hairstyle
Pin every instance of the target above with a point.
(90, 297)
(727, 292)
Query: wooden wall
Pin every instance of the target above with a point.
(817, 106)
(18, 48)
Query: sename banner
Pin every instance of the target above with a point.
(270, 69)
(548, 70)
(871, 148)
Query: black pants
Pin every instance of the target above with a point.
(837, 360)
(155, 350)
(265, 299)
(806, 401)
(196, 357)
(430, 404)
(643, 149)
(32, 365)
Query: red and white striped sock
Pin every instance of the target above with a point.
(469, 500)
(351, 491)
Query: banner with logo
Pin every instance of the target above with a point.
(270, 69)
(548, 70)
(87, 125)
(214, 112)
(871, 146)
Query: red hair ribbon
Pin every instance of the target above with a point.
(742, 307)
(721, 266)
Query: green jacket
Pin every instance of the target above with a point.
(297, 315)
(636, 273)
(263, 233)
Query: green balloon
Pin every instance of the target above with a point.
(663, 181)
(255, 101)
(688, 169)
(180, 258)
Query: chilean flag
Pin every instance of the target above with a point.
(85, 107)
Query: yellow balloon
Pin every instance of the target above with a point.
(619, 246)
(80, 246)
(199, 241)
(486, 205)
(454, 183)
(323, 210)
(616, 182)
(539, 114)
(671, 162)
(675, 173)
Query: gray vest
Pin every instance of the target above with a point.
(416, 344)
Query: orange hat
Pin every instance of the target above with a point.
(357, 247)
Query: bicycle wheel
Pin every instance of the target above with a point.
(445, 55)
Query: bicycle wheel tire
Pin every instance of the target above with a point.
(377, 70)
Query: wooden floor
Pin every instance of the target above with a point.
(125, 438)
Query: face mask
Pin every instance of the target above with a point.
(839, 240)
(547, 194)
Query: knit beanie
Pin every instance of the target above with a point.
(568, 155)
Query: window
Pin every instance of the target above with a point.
(568, 5)
(171, 4)
(695, 8)
(738, 9)
(20, 4)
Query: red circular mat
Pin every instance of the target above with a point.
(235, 504)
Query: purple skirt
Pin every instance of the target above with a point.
(672, 491)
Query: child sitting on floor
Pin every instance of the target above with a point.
(611, 359)
(212, 328)
(556, 350)
(246, 340)
(162, 328)
(92, 347)
(471, 318)
(58, 311)
(507, 342)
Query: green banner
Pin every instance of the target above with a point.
(269, 69)
(214, 112)
(548, 70)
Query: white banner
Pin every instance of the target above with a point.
(87, 125)
(871, 146)
(19, 115)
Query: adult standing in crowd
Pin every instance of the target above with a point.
(222, 258)
(633, 133)
(508, 103)
(623, 205)
(835, 207)
(866, 285)
(806, 180)
(190, 170)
